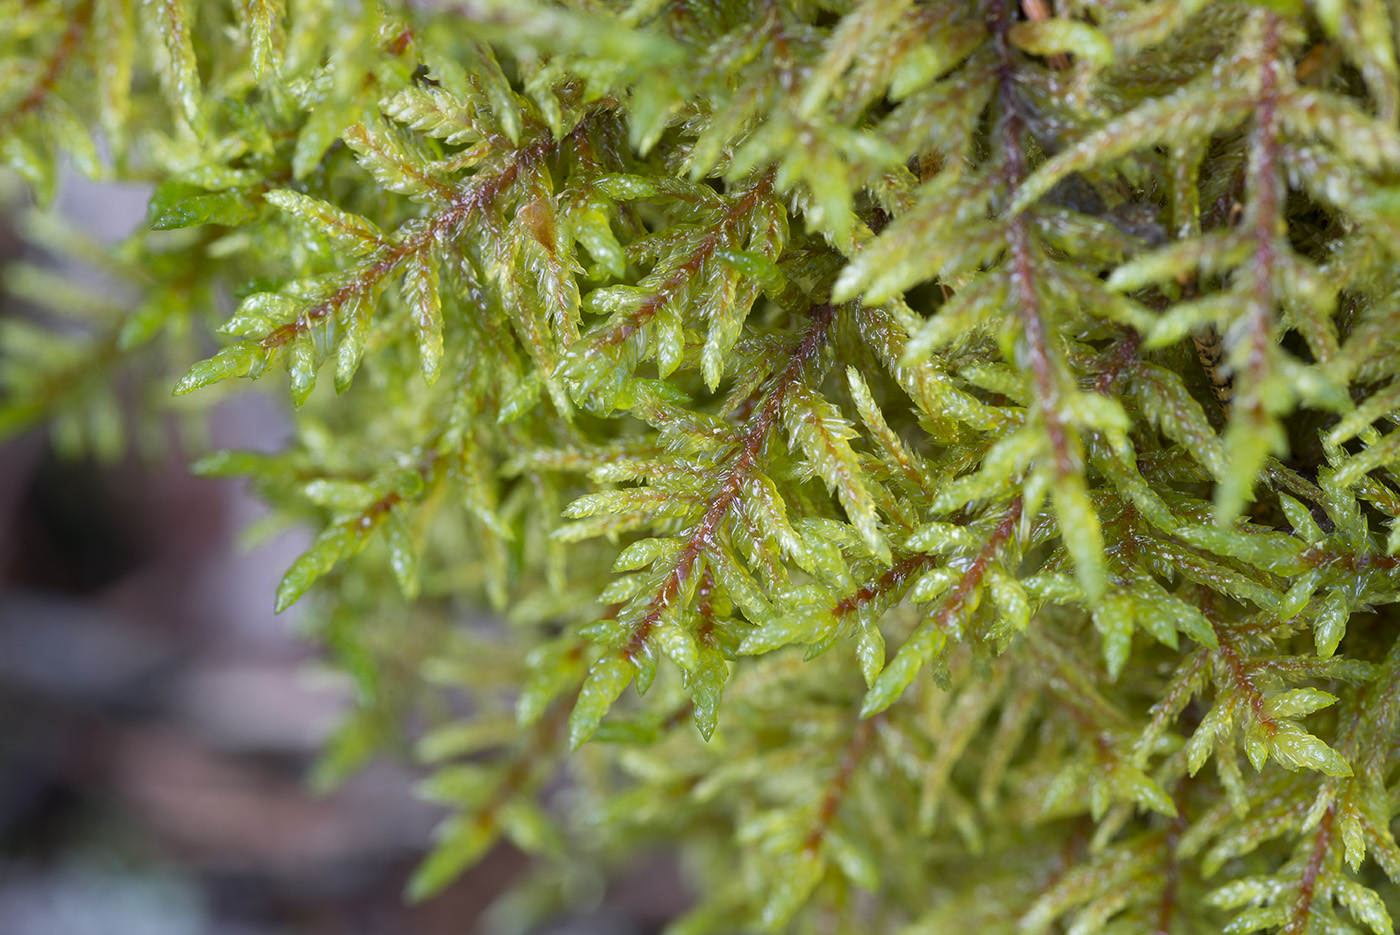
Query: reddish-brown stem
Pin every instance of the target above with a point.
(466, 202)
(892, 580)
(1307, 883)
(1023, 273)
(744, 459)
(836, 789)
(1171, 872)
(972, 578)
(738, 211)
(1355, 562)
(58, 60)
(1239, 670)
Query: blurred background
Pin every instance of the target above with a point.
(158, 722)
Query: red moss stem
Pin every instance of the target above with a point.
(744, 460)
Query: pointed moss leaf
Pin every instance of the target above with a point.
(755, 266)
(801, 626)
(589, 224)
(230, 464)
(1051, 36)
(1010, 598)
(301, 368)
(870, 651)
(1135, 785)
(1301, 519)
(434, 111)
(916, 653)
(1353, 838)
(462, 785)
(942, 51)
(1365, 905)
(1298, 702)
(669, 336)
(1113, 618)
(552, 669)
(521, 398)
(246, 358)
(174, 206)
(819, 430)
(266, 36)
(1248, 443)
(822, 548)
(261, 313)
(1299, 593)
(403, 555)
(463, 738)
(706, 684)
(967, 312)
(1197, 110)
(338, 494)
(725, 329)
(393, 161)
(1212, 253)
(932, 584)
(424, 300)
(629, 187)
(678, 644)
(333, 545)
(352, 233)
(643, 552)
(736, 582)
(181, 82)
(855, 859)
(1294, 748)
(1331, 623)
(645, 664)
(1164, 399)
(606, 681)
(1202, 742)
(768, 510)
(462, 840)
(1007, 457)
(654, 102)
(354, 322)
(1274, 552)
(796, 875)
(527, 826)
(1079, 529)
(1189, 619)
(1055, 588)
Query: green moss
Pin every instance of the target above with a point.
(915, 447)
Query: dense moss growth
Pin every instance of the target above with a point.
(913, 448)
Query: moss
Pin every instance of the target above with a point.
(915, 447)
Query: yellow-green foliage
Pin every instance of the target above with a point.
(913, 448)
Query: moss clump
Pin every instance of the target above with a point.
(915, 447)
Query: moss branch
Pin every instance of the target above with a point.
(840, 782)
(740, 465)
(475, 196)
(1023, 272)
(57, 61)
